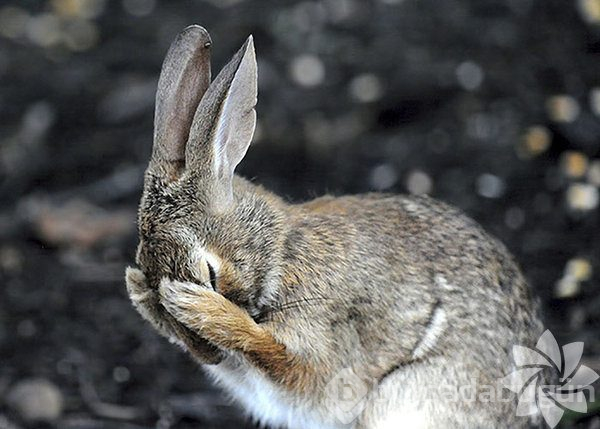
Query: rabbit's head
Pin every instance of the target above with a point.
(193, 225)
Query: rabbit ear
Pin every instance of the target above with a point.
(224, 123)
(184, 78)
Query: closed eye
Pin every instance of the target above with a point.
(213, 276)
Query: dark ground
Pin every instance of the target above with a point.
(491, 105)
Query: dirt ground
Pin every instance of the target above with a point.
(491, 105)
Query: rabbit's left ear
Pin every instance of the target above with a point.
(184, 78)
(224, 124)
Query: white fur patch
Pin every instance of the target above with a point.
(139, 297)
(406, 417)
(443, 283)
(432, 334)
(199, 253)
(265, 401)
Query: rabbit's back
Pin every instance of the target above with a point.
(393, 261)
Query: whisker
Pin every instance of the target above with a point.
(296, 304)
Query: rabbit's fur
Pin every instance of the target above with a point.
(397, 297)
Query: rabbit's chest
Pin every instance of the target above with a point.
(265, 401)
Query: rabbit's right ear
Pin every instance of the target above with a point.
(184, 78)
(224, 125)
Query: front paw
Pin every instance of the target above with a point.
(145, 300)
(208, 313)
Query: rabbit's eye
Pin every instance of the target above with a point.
(212, 275)
(207, 273)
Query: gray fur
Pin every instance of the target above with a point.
(406, 291)
(184, 78)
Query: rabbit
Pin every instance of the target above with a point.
(361, 311)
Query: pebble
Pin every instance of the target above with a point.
(139, 7)
(562, 108)
(595, 101)
(26, 328)
(469, 75)
(383, 176)
(36, 399)
(593, 174)
(44, 30)
(573, 164)
(76, 223)
(590, 10)
(307, 70)
(121, 374)
(11, 260)
(366, 88)
(80, 35)
(7, 424)
(566, 287)
(418, 183)
(13, 21)
(514, 218)
(490, 186)
(535, 141)
(576, 271)
(579, 268)
(87, 9)
(341, 10)
(582, 197)
(482, 126)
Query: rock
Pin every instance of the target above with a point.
(383, 177)
(593, 174)
(87, 9)
(366, 88)
(535, 141)
(590, 10)
(563, 108)
(139, 7)
(573, 164)
(76, 222)
(582, 197)
(307, 70)
(567, 287)
(36, 400)
(418, 183)
(5, 423)
(490, 186)
(469, 75)
(577, 270)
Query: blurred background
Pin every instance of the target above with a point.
(491, 105)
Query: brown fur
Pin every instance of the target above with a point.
(305, 291)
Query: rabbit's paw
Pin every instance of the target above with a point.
(208, 313)
(229, 327)
(137, 287)
(145, 300)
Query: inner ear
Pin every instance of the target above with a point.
(184, 78)
(224, 124)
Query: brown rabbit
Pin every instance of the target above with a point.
(362, 311)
